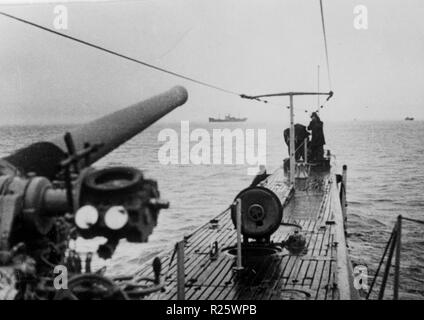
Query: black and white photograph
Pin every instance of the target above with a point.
(227, 151)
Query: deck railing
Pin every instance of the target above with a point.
(393, 247)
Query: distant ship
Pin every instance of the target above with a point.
(228, 118)
(409, 119)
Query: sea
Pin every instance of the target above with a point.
(385, 162)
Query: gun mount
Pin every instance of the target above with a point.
(50, 194)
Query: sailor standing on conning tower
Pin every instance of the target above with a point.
(318, 140)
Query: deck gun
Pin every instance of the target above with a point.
(51, 194)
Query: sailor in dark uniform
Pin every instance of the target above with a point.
(300, 134)
(316, 126)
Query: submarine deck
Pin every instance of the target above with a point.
(322, 271)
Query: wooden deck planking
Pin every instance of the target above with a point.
(271, 277)
(198, 238)
(202, 266)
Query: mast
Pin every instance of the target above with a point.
(292, 151)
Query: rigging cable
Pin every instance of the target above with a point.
(86, 43)
(325, 43)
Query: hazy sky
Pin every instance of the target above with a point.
(247, 46)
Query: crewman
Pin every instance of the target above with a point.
(316, 126)
(300, 134)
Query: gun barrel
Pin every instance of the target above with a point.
(109, 132)
(114, 129)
